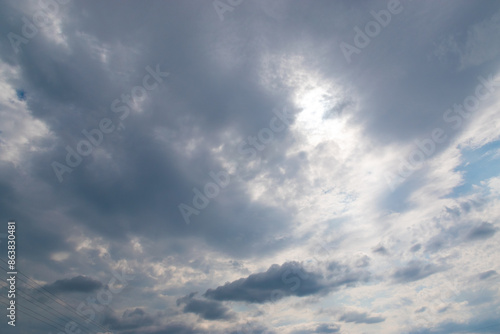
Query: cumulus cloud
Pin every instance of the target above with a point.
(289, 279)
(207, 309)
(79, 283)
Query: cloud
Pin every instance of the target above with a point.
(488, 325)
(130, 320)
(317, 328)
(320, 180)
(327, 328)
(473, 50)
(363, 262)
(289, 279)
(207, 309)
(458, 233)
(172, 328)
(381, 250)
(80, 283)
(481, 232)
(415, 248)
(415, 270)
(476, 297)
(277, 282)
(360, 318)
(251, 327)
(487, 274)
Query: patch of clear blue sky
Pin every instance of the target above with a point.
(479, 164)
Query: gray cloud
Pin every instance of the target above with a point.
(252, 327)
(127, 190)
(207, 309)
(458, 233)
(484, 325)
(381, 250)
(478, 297)
(76, 284)
(327, 328)
(276, 283)
(289, 279)
(415, 270)
(363, 262)
(483, 231)
(321, 328)
(487, 274)
(360, 318)
(415, 248)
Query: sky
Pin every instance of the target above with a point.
(251, 166)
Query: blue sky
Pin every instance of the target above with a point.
(252, 166)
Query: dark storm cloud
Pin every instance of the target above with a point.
(360, 318)
(289, 279)
(76, 284)
(416, 270)
(207, 309)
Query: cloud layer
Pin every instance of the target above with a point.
(232, 148)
